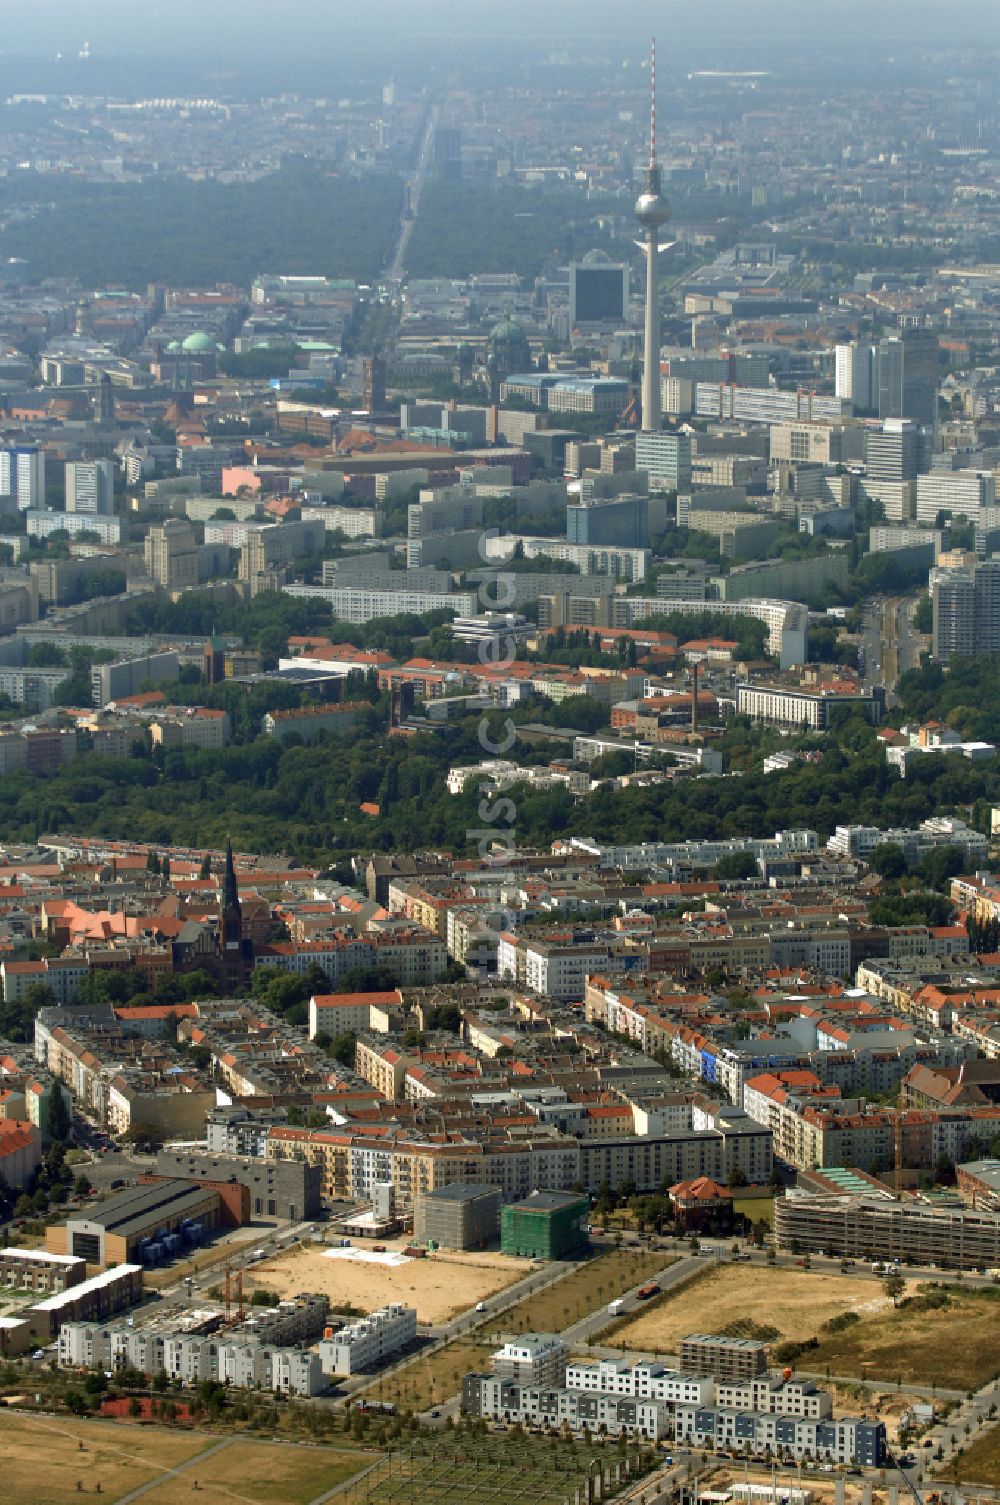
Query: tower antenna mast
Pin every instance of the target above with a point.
(652, 103)
(652, 213)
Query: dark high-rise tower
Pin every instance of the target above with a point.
(908, 374)
(106, 401)
(213, 660)
(373, 383)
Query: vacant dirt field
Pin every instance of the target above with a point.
(440, 1286)
(260, 1473)
(954, 1347)
(821, 1486)
(795, 1302)
(42, 1458)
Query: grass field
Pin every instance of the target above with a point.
(589, 1286)
(795, 1302)
(12, 1298)
(756, 1209)
(428, 1380)
(42, 1458)
(483, 1470)
(260, 1473)
(980, 1463)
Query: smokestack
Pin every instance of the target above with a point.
(694, 701)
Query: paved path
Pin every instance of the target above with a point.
(672, 1275)
(174, 1473)
(414, 183)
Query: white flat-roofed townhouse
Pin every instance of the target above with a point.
(783, 1398)
(646, 1381)
(366, 1343)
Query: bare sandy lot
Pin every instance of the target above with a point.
(795, 1302)
(440, 1286)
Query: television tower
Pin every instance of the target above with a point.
(651, 211)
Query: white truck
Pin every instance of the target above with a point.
(616, 1306)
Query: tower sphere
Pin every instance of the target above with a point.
(651, 210)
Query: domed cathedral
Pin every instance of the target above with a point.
(507, 353)
(193, 359)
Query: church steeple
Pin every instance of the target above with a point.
(231, 909)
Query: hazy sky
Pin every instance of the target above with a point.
(330, 47)
(185, 26)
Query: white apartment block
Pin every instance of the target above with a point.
(532, 1359)
(961, 492)
(885, 538)
(40, 523)
(766, 404)
(861, 841)
(367, 1343)
(620, 562)
(357, 604)
(776, 706)
(353, 522)
(786, 621)
(648, 1381)
(549, 969)
(898, 498)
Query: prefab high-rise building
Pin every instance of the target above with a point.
(853, 365)
(616, 522)
(894, 452)
(22, 476)
(966, 605)
(90, 487)
(666, 458)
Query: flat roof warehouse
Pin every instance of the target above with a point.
(130, 1211)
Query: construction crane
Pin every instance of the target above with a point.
(240, 1313)
(914, 1492)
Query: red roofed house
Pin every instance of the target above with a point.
(20, 1151)
(149, 1020)
(702, 1205)
(348, 1013)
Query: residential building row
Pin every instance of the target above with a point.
(192, 1358)
(880, 1227)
